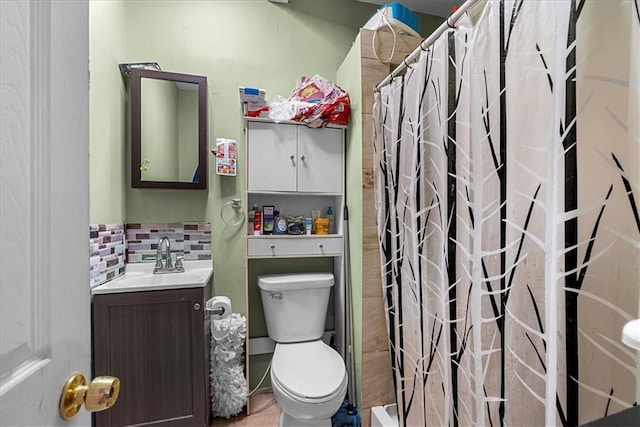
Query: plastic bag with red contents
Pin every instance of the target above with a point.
(315, 101)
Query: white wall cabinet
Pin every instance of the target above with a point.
(296, 169)
(294, 158)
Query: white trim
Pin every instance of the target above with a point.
(21, 373)
(41, 172)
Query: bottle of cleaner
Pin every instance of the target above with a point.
(330, 217)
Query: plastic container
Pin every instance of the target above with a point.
(257, 223)
(268, 219)
(295, 225)
(321, 225)
(314, 214)
(279, 224)
(251, 214)
(330, 218)
(396, 15)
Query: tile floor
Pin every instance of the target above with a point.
(265, 412)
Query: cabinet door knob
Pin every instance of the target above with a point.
(303, 158)
(321, 245)
(196, 306)
(292, 157)
(272, 246)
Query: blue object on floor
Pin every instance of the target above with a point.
(347, 415)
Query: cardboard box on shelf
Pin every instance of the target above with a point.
(253, 102)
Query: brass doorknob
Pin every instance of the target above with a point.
(99, 395)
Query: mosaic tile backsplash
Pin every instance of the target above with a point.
(189, 240)
(113, 244)
(106, 252)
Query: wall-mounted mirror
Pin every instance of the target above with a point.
(168, 130)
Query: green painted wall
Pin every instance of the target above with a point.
(107, 112)
(349, 77)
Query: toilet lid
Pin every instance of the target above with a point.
(310, 369)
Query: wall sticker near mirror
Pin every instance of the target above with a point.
(168, 130)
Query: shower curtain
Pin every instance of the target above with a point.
(507, 168)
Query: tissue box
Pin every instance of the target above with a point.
(253, 102)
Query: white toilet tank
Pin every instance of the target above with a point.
(295, 305)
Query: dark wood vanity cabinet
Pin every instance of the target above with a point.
(156, 343)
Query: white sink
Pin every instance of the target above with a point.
(140, 277)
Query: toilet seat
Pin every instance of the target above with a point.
(310, 372)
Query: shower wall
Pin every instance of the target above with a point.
(507, 187)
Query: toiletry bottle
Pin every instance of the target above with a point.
(330, 216)
(314, 214)
(268, 218)
(251, 214)
(257, 223)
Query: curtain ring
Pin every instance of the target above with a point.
(404, 61)
(449, 25)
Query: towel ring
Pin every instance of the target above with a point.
(236, 205)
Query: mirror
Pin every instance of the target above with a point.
(168, 130)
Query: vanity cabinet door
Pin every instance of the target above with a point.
(154, 342)
(319, 160)
(272, 157)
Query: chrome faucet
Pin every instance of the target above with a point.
(167, 266)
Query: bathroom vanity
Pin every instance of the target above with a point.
(157, 343)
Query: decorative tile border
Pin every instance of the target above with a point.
(189, 240)
(106, 253)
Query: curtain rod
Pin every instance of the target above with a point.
(428, 41)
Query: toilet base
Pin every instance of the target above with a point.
(287, 420)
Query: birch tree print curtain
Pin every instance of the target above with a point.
(507, 191)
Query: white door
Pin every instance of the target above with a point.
(319, 160)
(271, 157)
(44, 208)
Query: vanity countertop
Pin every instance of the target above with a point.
(140, 277)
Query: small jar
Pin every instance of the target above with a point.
(321, 225)
(279, 224)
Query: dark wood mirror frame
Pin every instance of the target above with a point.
(136, 131)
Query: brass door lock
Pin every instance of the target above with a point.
(99, 395)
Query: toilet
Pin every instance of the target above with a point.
(308, 378)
